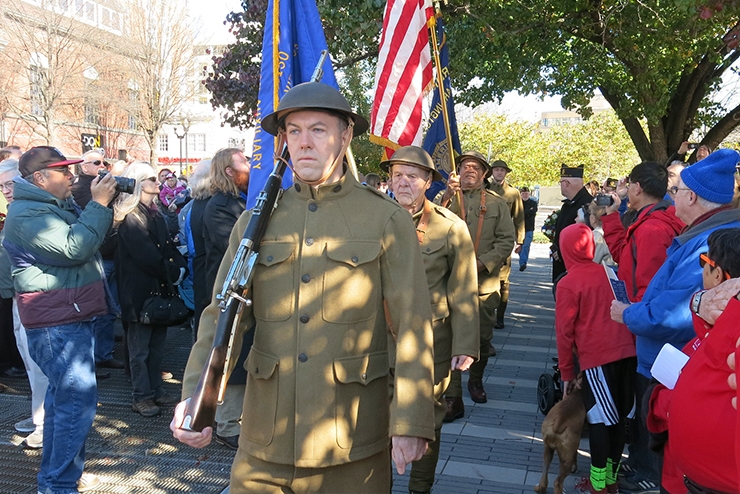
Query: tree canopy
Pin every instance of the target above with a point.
(656, 62)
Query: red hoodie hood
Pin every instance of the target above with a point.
(577, 245)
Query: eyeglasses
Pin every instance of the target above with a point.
(96, 163)
(151, 179)
(674, 190)
(61, 169)
(704, 260)
(7, 185)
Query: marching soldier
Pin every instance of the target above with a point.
(449, 261)
(317, 415)
(497, 183)
(492, 231)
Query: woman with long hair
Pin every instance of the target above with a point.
(147, 264)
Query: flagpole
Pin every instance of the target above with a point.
(443, 102)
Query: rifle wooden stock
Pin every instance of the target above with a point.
(201, 410)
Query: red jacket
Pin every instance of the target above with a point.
(582, 301)
(650, 236)
(671, 479)
(703, 424)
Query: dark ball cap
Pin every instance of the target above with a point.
(475, 155)
(41, 158)
(414, 156)
(313, 96)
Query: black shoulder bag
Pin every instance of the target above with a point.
(164, 309)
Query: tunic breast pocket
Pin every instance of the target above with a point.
(272, 285)
(351, 281)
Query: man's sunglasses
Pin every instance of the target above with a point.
(96, 163)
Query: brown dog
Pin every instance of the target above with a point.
(561, 432)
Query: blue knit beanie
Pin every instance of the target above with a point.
(713, 178)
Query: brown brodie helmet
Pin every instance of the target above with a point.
(414, 156)
(475, 155)
(315, 96)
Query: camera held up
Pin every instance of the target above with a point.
(123, 184)
(604, 200)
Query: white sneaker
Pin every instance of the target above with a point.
(36, 439)
(88, 482)
(26, 425)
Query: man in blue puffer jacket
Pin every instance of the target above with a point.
(57, 272)
(702, 198)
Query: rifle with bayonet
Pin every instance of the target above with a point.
(233, 297)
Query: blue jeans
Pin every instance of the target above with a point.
(524, 253)
(103, 325)
(65, 355)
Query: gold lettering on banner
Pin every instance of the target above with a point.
(282, 57)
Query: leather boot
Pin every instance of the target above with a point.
(477, 393)
(455, 409)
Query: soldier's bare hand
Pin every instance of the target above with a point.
(194, 439)
(461, 362)
(103, 189)
(518, 248)
(714, 301)
(407, 449)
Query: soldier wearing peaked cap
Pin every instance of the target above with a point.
(492, 231)
(317, 415)
(576, 196)
(449, 261)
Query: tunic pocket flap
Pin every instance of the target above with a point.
(272, 253)
(362, 369)
(353, 253)
(433, 246)
(261, 365)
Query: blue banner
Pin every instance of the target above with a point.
(435, 141)
(291, 47)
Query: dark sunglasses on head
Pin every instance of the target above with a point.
(704, 259)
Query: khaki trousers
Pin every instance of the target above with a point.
(370, 475)
(422, 471)
(487, 304)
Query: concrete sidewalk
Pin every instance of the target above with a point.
(495, 448)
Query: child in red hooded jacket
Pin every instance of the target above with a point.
(605, 351)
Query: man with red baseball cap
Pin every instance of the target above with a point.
(53, 247)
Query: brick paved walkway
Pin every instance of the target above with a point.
(495, 448)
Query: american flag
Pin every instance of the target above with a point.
(403, 74)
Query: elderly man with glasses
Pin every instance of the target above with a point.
(92, 163)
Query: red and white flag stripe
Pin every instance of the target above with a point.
(403, 74)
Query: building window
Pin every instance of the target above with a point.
(236, 143)
(164, 142)
(91, 103)
(133, 99)
(196, 142)
(37, 79)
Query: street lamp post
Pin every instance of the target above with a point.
(180, 137)
(186, 126)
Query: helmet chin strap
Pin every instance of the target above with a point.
(337, 160)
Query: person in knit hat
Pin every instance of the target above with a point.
(702, 198)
